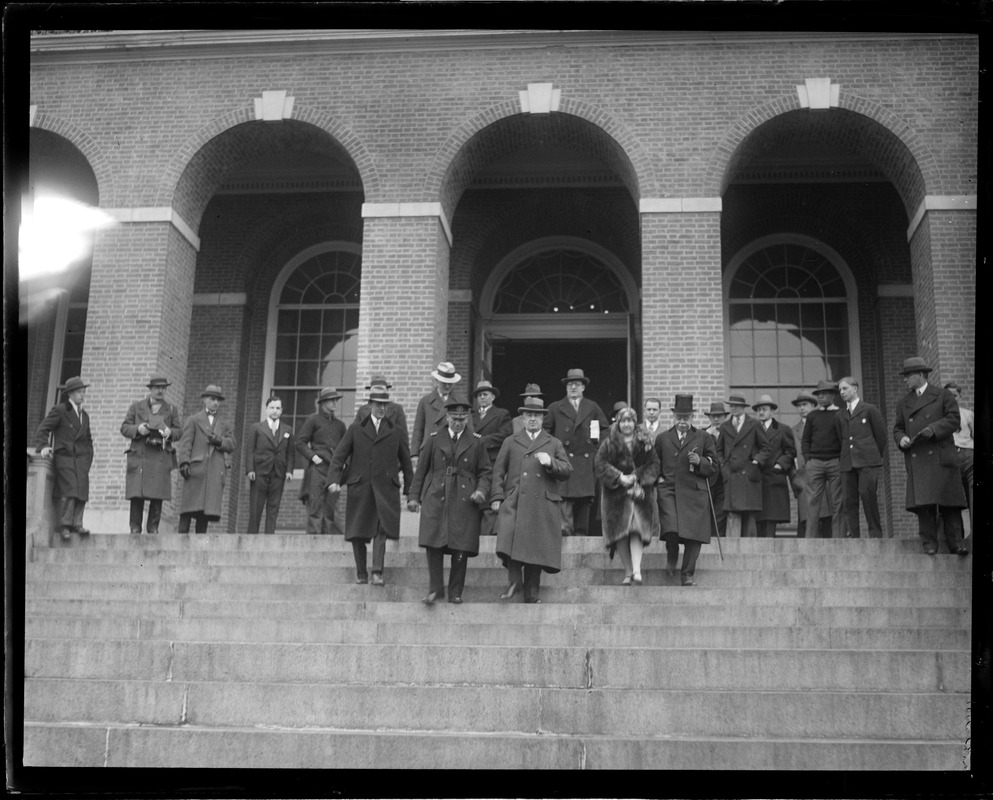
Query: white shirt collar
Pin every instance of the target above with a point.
(921, 390)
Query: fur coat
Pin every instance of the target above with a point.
(627, 510)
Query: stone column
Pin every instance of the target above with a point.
(40, 516)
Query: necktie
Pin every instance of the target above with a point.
(737, 424)
(272, 426)
(482, 412)
(575, 404)
(681, 437)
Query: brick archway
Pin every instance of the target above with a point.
(84, 143)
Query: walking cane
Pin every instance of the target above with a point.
(713, 515)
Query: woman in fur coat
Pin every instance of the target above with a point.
(627, 467)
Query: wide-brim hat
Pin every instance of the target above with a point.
(486, 386)
(764, 400)
(717, 409)
(576, 375)
(158, 380)
(804, 397)
(213, 390)
(532, 390)
(445, 372)
(329, 393)
(683, 404)
(826, 386)
(736, 400)
(379, 396)
(915, 364)
(535, 404)
(73, 384)
(454, 401)
(379, 380)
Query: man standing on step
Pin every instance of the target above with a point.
(965, 443)
(450, 489)
(821, 448)
(269, 458)
(202, 453)
(430, 414)
(315, 442)
(494, 425)
(651, 424)
(373, 453)
(926, 420)
(775, 471)
(151, 426)
(579, 424)
(863, 445)
(717, 416)
(804, 403)
(394, 411)
(525, 485)
(71, 446)
(744, 449)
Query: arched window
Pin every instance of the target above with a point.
(314, 326)
(791, 319)
(560, 281)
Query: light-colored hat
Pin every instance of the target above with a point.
(533, 404)
(683, 404)
(329, 393)
(158, 380)
(73, 384)
(485, 386)
(213, 390)
(764, 400)
(379, 396)
(445, 372)
(915, 364)
(576, 375)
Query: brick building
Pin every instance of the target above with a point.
(670, 211)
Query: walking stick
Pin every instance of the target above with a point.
(713, 515)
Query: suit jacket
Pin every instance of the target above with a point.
(742, 478)
(266, 454)
(863, 437)
(494, 428)
(72, 449)
(933, 475)
(572, 428)
(659, 430)
(150, 460)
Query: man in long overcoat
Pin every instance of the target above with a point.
(316, 441)
(152, 427)
(72, 449)
(269, 452)
(373, 453)
(203, 452)
(394, 411)
(430, 414)
(863, 444)
(687, 459)
(450, 488)
(525, 493)
(716, 416)
(744, 449)
(494, 425)
(775, 471)
(580, 425)
(926, 420)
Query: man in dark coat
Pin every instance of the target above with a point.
(804, 403)
(373, 452)
(450, 488)
(71, 446)
(316, 441)
(579, 424)
(269, 452)
(650, 423)
(494, 425)
(687, 458)
(525, 494)
(394, 411)
(430, 414)
(203, 452)
(717, 416)
(863, 444)
(926, 420)
(151, 426)
(530, 390)
(744, 449)
(775, 471)
(821, 448)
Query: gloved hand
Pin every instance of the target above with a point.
(413, 505)
(184, 470)
(926, 433)
(478, 498)
(214, 439)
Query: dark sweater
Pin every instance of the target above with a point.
(820, 436)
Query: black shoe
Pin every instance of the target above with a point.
(688, 582)
(962, 551)
(377, 579)
(362, 579)
(532, 599)
(930, 551)
(510, 591)
(80, 530)
(136, 531)
(430, 597)
(457, 600)
(153, 532)
(66, 533)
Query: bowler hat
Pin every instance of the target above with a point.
(804, 397)
(576, 375)
(446, 373)
(683, 404)
(454, 401)
(826, 386)
(158, 380)
(379, 380)
(533, 404)
(213, 390)
(532, 390)
(485, 386)
(737, 400)
(378, 395)
(329, 393)
(764, 400)
(717, 409)
(915, 364)
(73, 384)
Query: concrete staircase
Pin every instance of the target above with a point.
(234, 650)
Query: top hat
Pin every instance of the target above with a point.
(158, 380)
(915, 364)
(737, 400)
(533, 404)
(683, 404)
(446, 373)
(531, 390)
(454, 401)
(379, 395)
(379, 380)
(73, 384)
(212, 390)
(329, 393)
(804, 397)
(486, 386)
(716, 409)
(576, 375)
(764, 400)
(826, 386)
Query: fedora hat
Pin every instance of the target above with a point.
(717, 409)
(445, 372)
(532, 390)
(576, 375)
(212, 390)
(915, 364)
(764, 400)
(158, 380)
(378, 395)
(379, 380)
(620, 405)
(737, 400)
(804, 397)
(73, 384)
(454, 401)
(826, 386)
(485, 386)
(533, 404)
(329, 393)
(683, 404)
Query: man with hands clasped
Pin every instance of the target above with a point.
(315, 441)
(201, 453)
(269, 458)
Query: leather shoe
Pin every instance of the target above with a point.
(362, 580)
(510, 591)
(136, 531)
(377, 579)
(626, 581)
(66, 533)
(962, 551)
(930, 551)
(532, 599)
(688, 582)
(457, 600)
(430, 597)
(153, 531)
(80, 530)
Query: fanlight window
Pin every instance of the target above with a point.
(562, 281)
